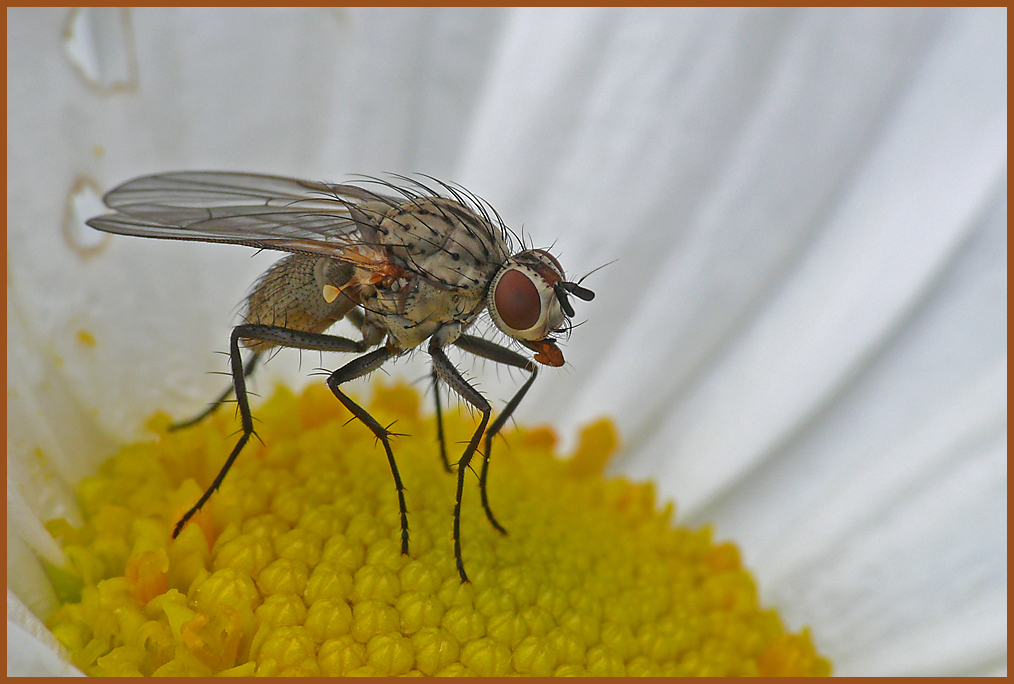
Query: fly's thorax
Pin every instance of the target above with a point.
(413, 309)
(300, 292)
(443, 242)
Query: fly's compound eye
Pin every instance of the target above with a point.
(522, 304)
(516, 300)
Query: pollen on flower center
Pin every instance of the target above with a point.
(294, 566)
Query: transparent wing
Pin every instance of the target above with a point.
(268, 212)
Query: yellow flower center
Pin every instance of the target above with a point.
(294, 566)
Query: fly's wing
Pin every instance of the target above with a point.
(267, 212)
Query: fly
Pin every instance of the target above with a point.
(414, 267)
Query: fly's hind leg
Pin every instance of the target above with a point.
(494, 352)
(355, 316)
(282, 337)
(248, 370)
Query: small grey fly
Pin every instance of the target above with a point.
(411, 267)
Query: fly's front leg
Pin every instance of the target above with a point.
(446, 371)
(494, 352)
(251, 364)
(283, 337)
(357, 368)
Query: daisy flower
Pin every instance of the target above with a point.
(800, 334)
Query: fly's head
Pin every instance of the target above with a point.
(528, 300)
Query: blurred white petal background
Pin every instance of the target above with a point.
(803, 337)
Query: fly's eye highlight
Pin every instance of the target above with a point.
(517, 303)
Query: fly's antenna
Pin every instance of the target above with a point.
(562, 288)
(597, 268)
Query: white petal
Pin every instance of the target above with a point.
(803, 338)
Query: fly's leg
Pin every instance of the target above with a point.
(440, 422)
(282, 337)
(446, 371)
(494, 352)
(251, 364)
(356, 318)
(357, 368)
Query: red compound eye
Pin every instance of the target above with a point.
(517, 300)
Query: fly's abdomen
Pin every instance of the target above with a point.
(301, 292)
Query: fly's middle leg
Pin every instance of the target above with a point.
(357, 368)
